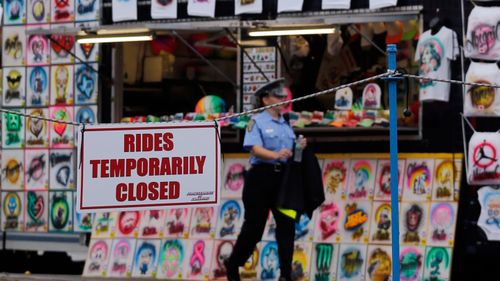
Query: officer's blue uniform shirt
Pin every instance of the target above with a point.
(270, 134)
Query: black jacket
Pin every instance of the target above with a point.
(302, 186)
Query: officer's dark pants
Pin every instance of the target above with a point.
(259, 196)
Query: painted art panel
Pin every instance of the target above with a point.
(171, 261)
(412, 263)
(269, 264)
(203, 223)
(231, 213)
(351, 262)
(197, 264)
(12, 211)
(356, 222)
(378, 263)
(104, 224)
(37, 211)
(61, 46)
(14, 86)
(13, 126)
(381, 223)
(37, 86)
(383, 179)
(122, 257)
(329, 221)
(127, 224)
(324, 261)
(301, 261)
(234, 177)
(361, 179)
(37, 130)
(62, 169)
(38, 11)
(62, 11)
(14, 45)
(61, 134)
(437, 264)
(152, 224)
(412, 223)
(177, 223)
(61, 211)
(98, 257)
(447, 176)
(14, 12)
(146, 258)
(442, 224)
(222, 251)
(87, 10)
(36, 172)
(12, 169)
(61, 87)
(38, 48)
(418, 179)
(86, 83)
(335, 178)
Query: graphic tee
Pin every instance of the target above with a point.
(434, 53)
(482, 40)
(482, 100)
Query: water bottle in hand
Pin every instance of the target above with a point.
(297, 153)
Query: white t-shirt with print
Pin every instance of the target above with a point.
(434, 54)
(482, 100)
(483, 40)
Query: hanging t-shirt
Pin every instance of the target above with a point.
(482, 33)
(489, 219)
(290, 5)
(123, 10)
(201, 8)
(335, 4)
(482, 100)
(247, 7)
(483, 161)
(163, 9)
(377, 4)
(434, 53)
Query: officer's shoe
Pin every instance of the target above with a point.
(232, 272)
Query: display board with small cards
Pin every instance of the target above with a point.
(347, 238)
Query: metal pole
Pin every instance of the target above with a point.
(393, 141)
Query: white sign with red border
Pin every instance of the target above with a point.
(148, 166)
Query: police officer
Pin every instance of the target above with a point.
(270, 140)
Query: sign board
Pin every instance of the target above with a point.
(147, 166)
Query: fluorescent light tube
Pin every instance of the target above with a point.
(113, 39)
(283, 32)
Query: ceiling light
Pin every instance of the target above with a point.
(284, 32)
(113, 38)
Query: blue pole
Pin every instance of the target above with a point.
(393, 141)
